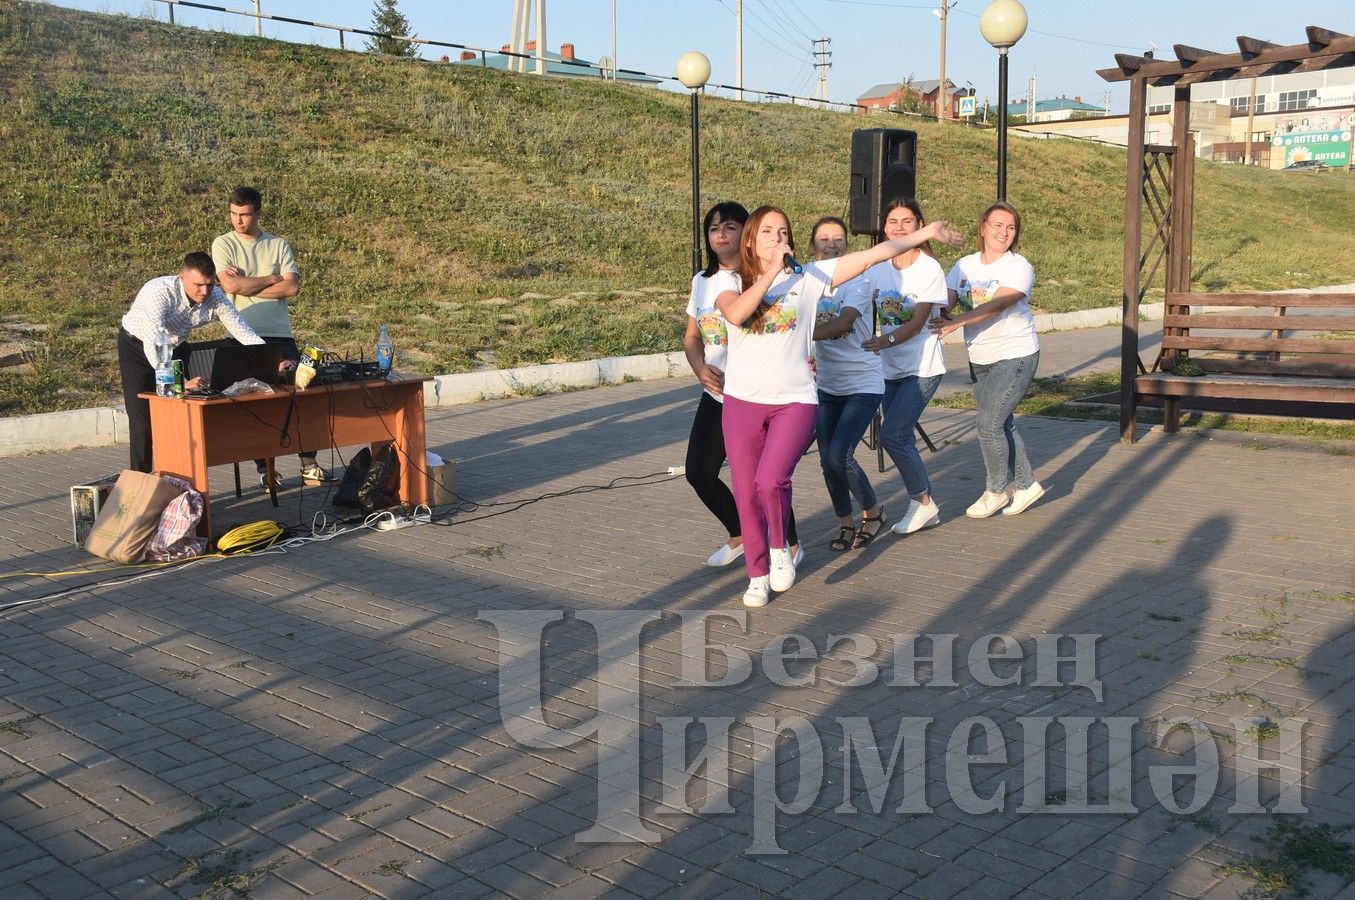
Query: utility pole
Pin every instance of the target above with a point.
(941, 104)
(614, 62)
(1251, 122)
(738, 49)
(258, 22)
(541, 37)
(1030, 100)
(518, 43)
(821, 56)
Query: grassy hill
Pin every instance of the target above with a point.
(491, 219)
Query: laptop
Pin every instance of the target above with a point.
(222, 363)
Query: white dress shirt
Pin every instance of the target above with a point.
(161, 303)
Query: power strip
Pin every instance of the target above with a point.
(389, 521)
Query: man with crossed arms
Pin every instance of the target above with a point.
(258, 272)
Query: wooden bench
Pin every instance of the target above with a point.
(1275, 347)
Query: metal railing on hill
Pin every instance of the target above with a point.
(483, 53)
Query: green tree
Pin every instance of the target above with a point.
(387, 20)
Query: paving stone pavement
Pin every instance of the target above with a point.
(329, 720)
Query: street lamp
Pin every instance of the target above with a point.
(1002, 24)
(693, 70)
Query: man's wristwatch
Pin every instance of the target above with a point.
(890, 337)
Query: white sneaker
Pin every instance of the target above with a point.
(756, 595)
(783, 569)
(1022, 499)
(988, 504)
(725, 555)
(799, 556)
(918, 517)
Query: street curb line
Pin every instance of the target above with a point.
(105, 426)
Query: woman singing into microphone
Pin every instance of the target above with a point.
(705, 343)
(771, 402)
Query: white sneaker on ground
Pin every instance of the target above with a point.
(799, 555)
(783, 569)
(988, 504)
(756, 595)
(725, 555)
(918, 517)
(1023, 498)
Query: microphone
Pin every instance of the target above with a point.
(793, 264)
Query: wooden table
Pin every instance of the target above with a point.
(191, 434)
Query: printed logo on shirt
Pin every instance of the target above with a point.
(712, 327)
(974, 293)
(829, 309)
(780, 314)
(895, 308)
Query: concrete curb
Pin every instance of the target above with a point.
(471, 387)
(100, 426)
(104, 426)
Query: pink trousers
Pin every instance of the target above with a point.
(763, 443)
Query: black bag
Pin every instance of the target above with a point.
(353, 476)
(381, 487)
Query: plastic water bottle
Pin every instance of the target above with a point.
(385, 351)
(164, 367)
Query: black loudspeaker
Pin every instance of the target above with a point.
(884, 167)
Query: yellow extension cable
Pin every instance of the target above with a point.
(249, 538)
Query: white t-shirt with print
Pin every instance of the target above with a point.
(1012, 334)
(896, 293)
(701, 307)
(771, 365)
(845, 367)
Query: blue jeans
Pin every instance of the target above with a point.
(905, 399)
(1000, 386)
(842, 421)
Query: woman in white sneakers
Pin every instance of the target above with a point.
(705, 344)
(909, 291)
(990, 298)
(770, 396)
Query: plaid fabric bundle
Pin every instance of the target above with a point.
(177, 536)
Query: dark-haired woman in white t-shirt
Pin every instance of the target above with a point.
(990, 298)
(770, 396)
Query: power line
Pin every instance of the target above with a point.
(777, 29)
(787, 20)
(1062, 37)
(805, 16)
(786, 39)
(768, 41)
(965, 12)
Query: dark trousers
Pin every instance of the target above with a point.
(138, 377)
(705, 457)
(289, 351)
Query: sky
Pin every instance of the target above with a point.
(873, 41)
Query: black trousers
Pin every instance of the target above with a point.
(705, 457)
(292, 352)
(138, 377)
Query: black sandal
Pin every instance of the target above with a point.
(863, 537)
(846, 535)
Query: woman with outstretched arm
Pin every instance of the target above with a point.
(771, 402)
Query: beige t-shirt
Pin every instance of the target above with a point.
(266, 254)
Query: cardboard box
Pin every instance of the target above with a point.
(130, 516)
(441, 483)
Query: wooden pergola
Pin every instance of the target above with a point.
(1161, 177)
